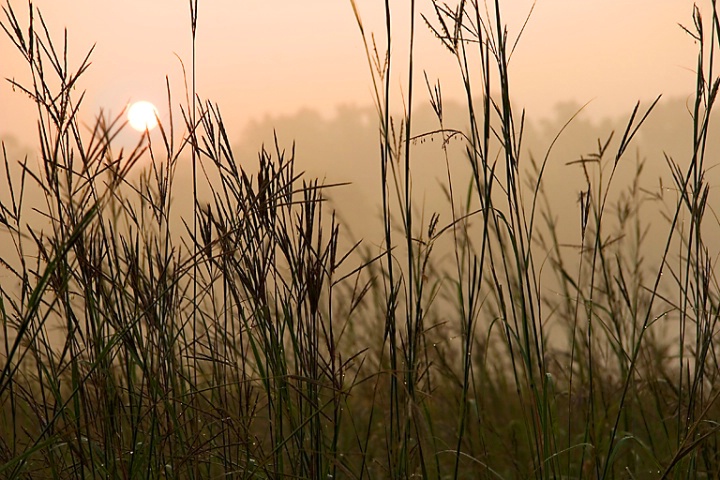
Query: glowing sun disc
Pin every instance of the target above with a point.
(142, 116)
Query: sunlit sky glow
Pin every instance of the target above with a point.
(274, 57)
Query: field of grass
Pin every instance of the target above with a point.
(248, 338)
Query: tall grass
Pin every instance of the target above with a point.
(238, 340)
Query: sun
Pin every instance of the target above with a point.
(142, 116)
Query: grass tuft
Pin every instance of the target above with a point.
(238, 339)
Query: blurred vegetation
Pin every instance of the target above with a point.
(170, 312)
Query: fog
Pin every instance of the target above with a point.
(344, 147)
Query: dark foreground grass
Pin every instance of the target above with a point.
(239, 340)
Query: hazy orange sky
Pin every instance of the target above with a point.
(271, 57)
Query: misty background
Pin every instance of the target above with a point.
(343, 148)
